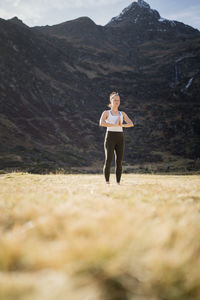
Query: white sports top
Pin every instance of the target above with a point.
(112, 120)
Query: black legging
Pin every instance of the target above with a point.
(114, 140)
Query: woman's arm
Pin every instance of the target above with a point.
(127, 120)
(102, 121)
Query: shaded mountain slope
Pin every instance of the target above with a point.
(55, 81)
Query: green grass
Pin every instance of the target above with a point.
(73, 237)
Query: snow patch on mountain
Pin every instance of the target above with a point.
(172, 23)
(162, 20)
(189, 83)
(143, 4)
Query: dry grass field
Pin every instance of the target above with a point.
(71, 237)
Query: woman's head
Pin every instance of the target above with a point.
(114, 100)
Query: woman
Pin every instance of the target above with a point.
(114, 137)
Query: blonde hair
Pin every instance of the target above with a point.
(111, 96)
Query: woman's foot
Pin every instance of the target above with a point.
(107, 182)
(118, 183)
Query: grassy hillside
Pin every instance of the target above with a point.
(72, 237)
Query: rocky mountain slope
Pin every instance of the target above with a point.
(55, 81)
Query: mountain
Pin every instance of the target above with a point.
(55, 81)
(17, 21)
(141, 14)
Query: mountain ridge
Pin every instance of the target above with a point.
(138, 12)
(135, 7)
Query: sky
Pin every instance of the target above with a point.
(50, 12)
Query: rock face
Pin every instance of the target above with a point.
(55, 82)
(141, 14)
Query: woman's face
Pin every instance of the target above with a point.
(115, 101)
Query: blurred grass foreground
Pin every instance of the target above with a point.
(71, 237)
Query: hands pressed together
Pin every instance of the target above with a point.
(103, 121)
(119, 122)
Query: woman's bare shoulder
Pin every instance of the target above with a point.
(106, 112)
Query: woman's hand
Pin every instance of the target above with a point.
(119, 123)
(129, 124)
(128, 121)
